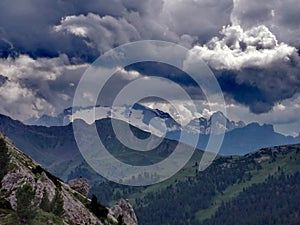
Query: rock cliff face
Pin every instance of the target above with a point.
(80, 185)
(23, 169)
(124, 209)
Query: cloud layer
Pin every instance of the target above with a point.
(239, 49)
(252, 46)
(253, 68)
(31, 87)
(102, 33)
(282, 17)
(27, 27)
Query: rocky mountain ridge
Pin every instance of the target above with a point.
(141, 117)
(24, 170)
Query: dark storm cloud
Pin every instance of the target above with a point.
(28, 25)
(256, 98)
(171, 73)
(164, 70)
(202, 19)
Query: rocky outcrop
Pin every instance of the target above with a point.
(80, 185)
(25, 170)
(124, 209)
(77, 213)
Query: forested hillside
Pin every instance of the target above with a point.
(262, 185)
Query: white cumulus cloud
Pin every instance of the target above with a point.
(239, 49)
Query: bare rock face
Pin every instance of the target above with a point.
(22, 172)
(81, 185)
(124, 209)
(75, 210)
(25, 170)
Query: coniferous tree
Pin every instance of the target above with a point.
(94, 204)
(4, 159)
(57, 204)
(25, 208)
(120, 220)
(99, 210)
(45, 203)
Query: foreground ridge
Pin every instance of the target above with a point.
(53, 201)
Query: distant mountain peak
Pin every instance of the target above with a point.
(218, 114)
(221, 124)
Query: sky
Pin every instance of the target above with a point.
(252, 47)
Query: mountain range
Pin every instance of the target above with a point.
(232, 184)
(139, 116)
(240, 138)
(56, 149)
